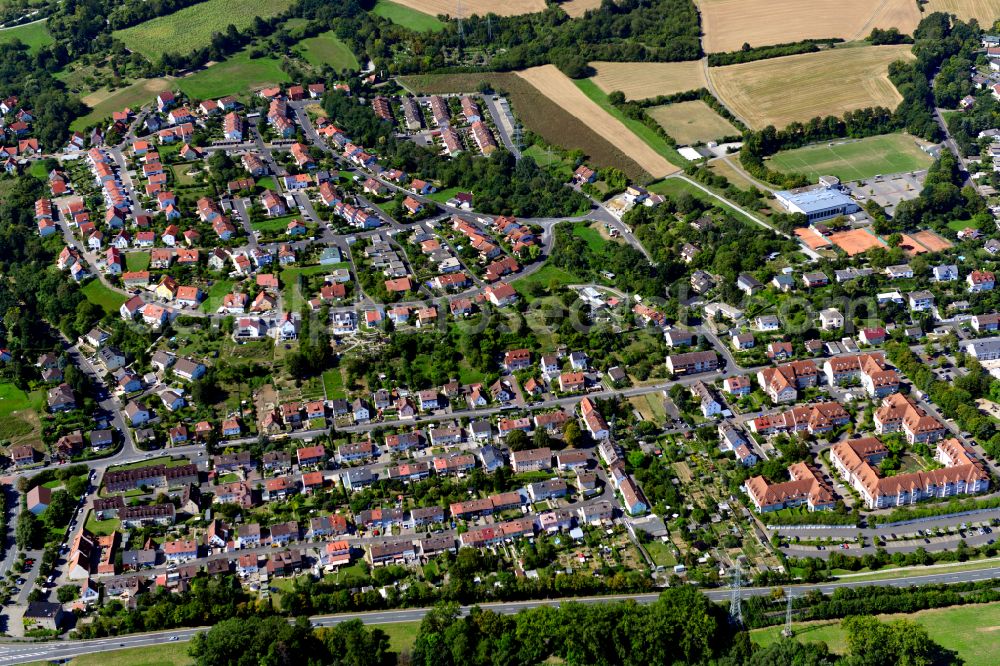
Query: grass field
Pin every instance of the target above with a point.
(692, 122)
(641, 80)
(289, 278)
(164, 654)
(192, 27)
(101, 527)
(591, 235)
(402, 635)
(971, 631)
(550, 160)
(19, 413)
(33, 35)
(554, 124)
(327, 49)
(137, 261)
(96, 292)
(854, 160)
(985, 11)
(333, 383)
(661, 553)
(548, 276)
(239, 74)
(408, 18)
(215, 294)
(801, 87)
(103, 102)
(471, 7)
(728, 24)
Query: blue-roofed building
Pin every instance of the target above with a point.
(817, 203)
(331, 255)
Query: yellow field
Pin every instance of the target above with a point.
(576, 8)
(692, 122)
(801, 87)
(556, 86)
(984, 11)
(642, 80)
(728, 24)
(470, 7)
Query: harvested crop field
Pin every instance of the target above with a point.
(538, 113)
(642, 80)
(549, 82)
(800, 87)
(473, 7)
(985, 11)
(728, 24)
(577, 8)
(692, 122)
(192, 27)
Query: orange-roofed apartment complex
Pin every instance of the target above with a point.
(856, 461)
(806, 487)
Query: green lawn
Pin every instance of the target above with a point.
(180, 172)
(441, 196)
(333, 382)
(37, 170)
(137, 261)
(327, 49)
(675, 186)
(274, 224)
(33, 35)
(661, 553)
(854, 160)
(103, 102)
(649, 136)
(97, 293)
(267, 182)
(237, 74)
(406, 17)
(218, 291)
(402, 635)
(192, 27)
(551, 160)
(969, 630)
(589, 234)
(548, 276)
(289, 278)
(101, 527)
(162, 654)
(13, 399)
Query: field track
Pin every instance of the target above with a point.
(800, 87)
(642, 80)
(470, 7)
(577, 8)
(728, 24)
(557, 87)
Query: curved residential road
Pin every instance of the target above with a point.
(23, 652)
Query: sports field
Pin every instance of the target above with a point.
(854, 160)
(692, 122)
(642, 80)
(559, 88)
(33, 35)
(577, 8)
(406, 17)
(327, 49)
(104, 102)
(971, 631)
(728, 24)
(985, 11)
(192, 27)
(237, 75)
(801, 87)
(856, 241)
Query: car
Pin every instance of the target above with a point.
(175, 638)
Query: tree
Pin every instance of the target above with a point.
(572, 434)
(67, 593)
(29, 530)
(517, 440)
(902, 642)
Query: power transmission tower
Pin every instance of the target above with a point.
(787, 631)
(736, 601)
(518, 136)
(489, 28)
(458, 12)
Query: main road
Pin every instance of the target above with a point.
(24, 652)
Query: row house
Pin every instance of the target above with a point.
(899, 413)
(805, 488)
(814, 419)
(782, 383)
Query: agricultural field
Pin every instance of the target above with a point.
(97, 293)
(237, 75)
(104, 102)
(408, 18)
(33, 35)
(854, 159)
(728, 24)
(984, 11)
(192, 27)
(642, 80)
(327, 49)
(577, 8)
(800, 87)
(692, 122)
(971, 631)
(557, 87)
(554, 124)
(472, 7)
(164, 654)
